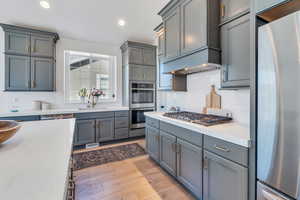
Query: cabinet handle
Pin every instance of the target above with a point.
(221, 148)
(33, 84)
(157, 138)
(222, 10)
(205, 163)
(178, 148)
(27, 48)
(174, 147)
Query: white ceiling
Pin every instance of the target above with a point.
(88, 20)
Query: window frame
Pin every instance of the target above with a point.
(112, 74)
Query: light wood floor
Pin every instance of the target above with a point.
(138, 178)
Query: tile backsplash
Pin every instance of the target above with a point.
(235, 101)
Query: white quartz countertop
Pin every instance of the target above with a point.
(60, 111)
(34, 163)
(230, 132)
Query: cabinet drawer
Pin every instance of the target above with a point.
(227, 150)
(121, 122)
(121, 133)
(137, 132)
(97, 115)
(185, 134)
(152, 122)
(122, 113)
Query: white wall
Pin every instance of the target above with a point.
(57, 98)
(236, 101)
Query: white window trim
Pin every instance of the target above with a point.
(112, 81)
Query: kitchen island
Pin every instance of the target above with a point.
(34, 164)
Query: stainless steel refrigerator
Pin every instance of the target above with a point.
(279, 109)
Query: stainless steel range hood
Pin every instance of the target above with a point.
(195, 69)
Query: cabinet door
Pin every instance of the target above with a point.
(17, 73)
(223, 179)
(236, 53)
(42, 46)
(136, 73)
(105, 130)
(135, 55)
(149, 73)
(161, 43)
(42, 74)
(172, 34)
(168, 152)
(152, 141)
(149, 57)
(189, 166)
(193, 25)
(261, 5)
(233, 8)
(17, 43)
(164, 80)
(84, 132)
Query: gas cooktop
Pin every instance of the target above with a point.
(197, 118)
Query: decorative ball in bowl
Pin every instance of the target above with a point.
(8, 129)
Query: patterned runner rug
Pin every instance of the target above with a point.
(103, 156)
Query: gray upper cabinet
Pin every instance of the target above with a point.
(161, 40)
(17, 73)
(193, 25)
(261, 5)
(164, 80)
(223, 179)
(168, 152)
(17, 43)
(135, 55)
(42, 74)
(231, 9)
(38, 51)
(84, 132)
(236, 53)
(105, 129)
(152, 142)
(189, 166)
(172, 33)
(149, 57)
(142, 73)
(42, 46)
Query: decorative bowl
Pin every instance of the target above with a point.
(8, 129)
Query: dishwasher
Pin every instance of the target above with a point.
(57, 116)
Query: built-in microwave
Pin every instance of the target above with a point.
(137, 117)
(142, 94)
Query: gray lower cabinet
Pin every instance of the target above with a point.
(42, 74)
(261, 5)
(17, 43)
(189, 166)
(17, 73)
(223, 179)
(42, 46)
(152, 142)
(84, 132)
(236, 53)
(233, 8)
(168, 152)
(105, 129)
(172, 33)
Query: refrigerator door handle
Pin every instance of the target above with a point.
(269, 196)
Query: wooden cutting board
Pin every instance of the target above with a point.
(213, 100)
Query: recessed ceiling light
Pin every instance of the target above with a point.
(121, 22)
(45, 4)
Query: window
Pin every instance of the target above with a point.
(87, 70)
